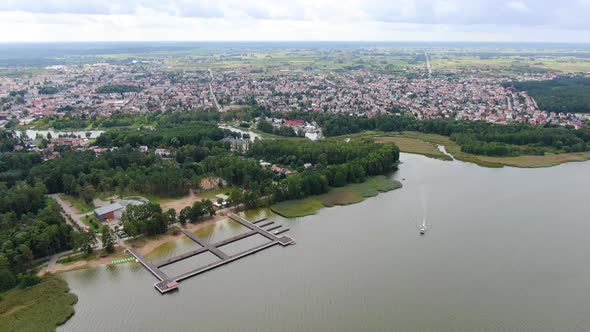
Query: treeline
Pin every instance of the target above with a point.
(118, 88)
(560, 95)
(124, 170)
(172, 135)
(123, 120)
(177, 116)
(473, 136)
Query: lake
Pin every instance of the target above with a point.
(253, 135)
(506, 251)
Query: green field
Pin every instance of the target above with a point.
(350, 194)
(411, 145)
(93, 223)
(39, 308)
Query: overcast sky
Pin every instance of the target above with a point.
(338, 20)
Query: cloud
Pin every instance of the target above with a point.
(454, 12)
(296, 19)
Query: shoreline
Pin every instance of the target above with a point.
(426, 145)
(144, 245)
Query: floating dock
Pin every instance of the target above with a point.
(168, 283)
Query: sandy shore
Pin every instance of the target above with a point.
(144, 246)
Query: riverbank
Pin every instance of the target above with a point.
(427, 145)
(42, 307)
(349, 194)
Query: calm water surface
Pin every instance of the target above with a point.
(506, 251)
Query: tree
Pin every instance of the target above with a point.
(235, 198)
(170, 216)
(108, 241)
(144, 219)
(85, 241)
(265, 126)
(208, 207)
(184, 215)
(69, 184)
(250, 199)
(26, 257)
(29, 280)
(197, 211)
(7, 280)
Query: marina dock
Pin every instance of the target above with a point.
(168, 283)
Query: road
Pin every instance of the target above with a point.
(54, 258)
(428, 66)
(219, 109)
(71, 213)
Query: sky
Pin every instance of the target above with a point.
(295, 20)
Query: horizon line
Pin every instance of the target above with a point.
(295, 41)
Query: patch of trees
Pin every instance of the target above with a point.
(81, 174)
(173, 135)
(565, 94)
(146, 219)
(48, 90)
(118, 88)
(335, 163)
(8, 140)
(196, 212)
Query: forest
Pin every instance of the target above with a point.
(329, 163)
(31, 227)
(563, 94)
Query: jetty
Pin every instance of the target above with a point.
(169, 283)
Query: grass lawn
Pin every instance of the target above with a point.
(39, 308)
(298, 208)
(81, 205)
(349, 194)
(412, 145)
(211, 193)
(92, 222)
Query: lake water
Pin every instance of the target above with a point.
(506, 251)
(253, 135)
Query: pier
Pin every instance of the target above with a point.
(168, 283)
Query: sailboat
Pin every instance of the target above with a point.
(423, 227)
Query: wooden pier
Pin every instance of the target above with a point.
(166, 284)
(170, 283)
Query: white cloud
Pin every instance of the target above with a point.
(470, 20)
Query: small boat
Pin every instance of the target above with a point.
(423, 227)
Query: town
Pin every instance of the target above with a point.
(103, 89)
